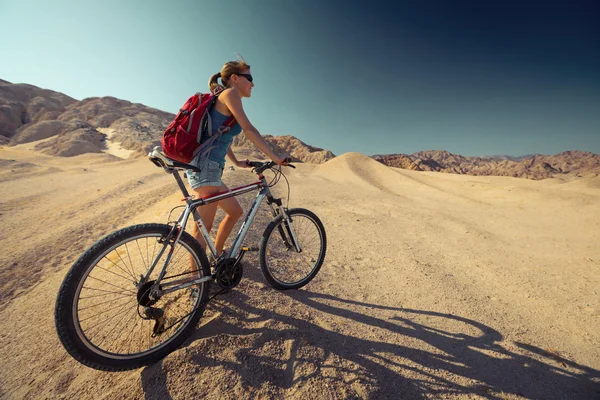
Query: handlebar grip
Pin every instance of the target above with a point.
(289, 160)
(254, 164)
(260, 166)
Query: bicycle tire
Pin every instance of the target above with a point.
(278, 244)
(67, 311)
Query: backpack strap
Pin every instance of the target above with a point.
(227, 125)
(208, 145)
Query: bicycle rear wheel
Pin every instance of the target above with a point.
(97, 315)
(283, 266)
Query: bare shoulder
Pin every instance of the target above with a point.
(224, 102)
(231, 100)
(227, 95)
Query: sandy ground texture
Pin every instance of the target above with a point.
(112, 147)
(434, 286)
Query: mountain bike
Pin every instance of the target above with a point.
(136, 294)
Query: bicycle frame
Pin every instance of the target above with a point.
(190, 209)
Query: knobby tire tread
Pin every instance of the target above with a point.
(64, 302)
(265, 240)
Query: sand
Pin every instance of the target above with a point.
(434, 286)
(113, 147)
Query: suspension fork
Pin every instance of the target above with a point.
(285, 229)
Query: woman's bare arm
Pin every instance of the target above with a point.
(234, 103)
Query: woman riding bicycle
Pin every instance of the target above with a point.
(236, 84)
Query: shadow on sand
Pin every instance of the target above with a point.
(402, 353)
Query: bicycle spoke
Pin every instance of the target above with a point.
(124, 263)
(141, 335)
(154, 251)
(132, 329)
(129, 256)
(116, 325)
(110, 284)
(141, 255)
(97, 304)
(284, 263)
(114, 273)
(176, 256)
(104, 322)
(100, 290)
(105, 311)
(183, 311)
(102, 326)
(116, 265)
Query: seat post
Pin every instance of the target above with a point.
(181, 184)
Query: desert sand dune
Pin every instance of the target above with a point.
(434, 285)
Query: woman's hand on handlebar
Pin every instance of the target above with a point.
(282, 160)
(243, 164)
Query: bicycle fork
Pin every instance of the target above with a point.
(286, 231)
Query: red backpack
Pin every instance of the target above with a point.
(191, 130)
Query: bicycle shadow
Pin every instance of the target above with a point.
(542, 374)
(402, 355)
(154, 382)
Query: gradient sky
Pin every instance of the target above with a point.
(471, 77)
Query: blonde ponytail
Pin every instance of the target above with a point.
(230, 68)
(214, 85)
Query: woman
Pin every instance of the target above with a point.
(237, 84)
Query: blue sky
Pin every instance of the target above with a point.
(469, 77)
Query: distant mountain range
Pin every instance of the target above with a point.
(29, 113)
(534, 166)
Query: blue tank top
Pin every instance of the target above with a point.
(222, 142)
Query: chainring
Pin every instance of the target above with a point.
(229, 273)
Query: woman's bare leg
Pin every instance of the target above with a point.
(207, 213)
(233, 212)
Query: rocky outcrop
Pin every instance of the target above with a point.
(398, 161)
(297, 149)
(80, 139)
(22, 105)
(29, 113)
(531, 167)
(300, 150)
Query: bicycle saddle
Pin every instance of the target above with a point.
(161, 160)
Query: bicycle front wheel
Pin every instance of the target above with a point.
(98, 315)
(284, 265)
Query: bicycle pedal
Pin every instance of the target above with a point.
(249, 248)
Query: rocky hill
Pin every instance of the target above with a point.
(23, 106)
(29, 113)
(71, 127)
(297, 149)
(579, 163)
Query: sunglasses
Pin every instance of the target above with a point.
(247, 76)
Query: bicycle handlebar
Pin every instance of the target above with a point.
(260, 166)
